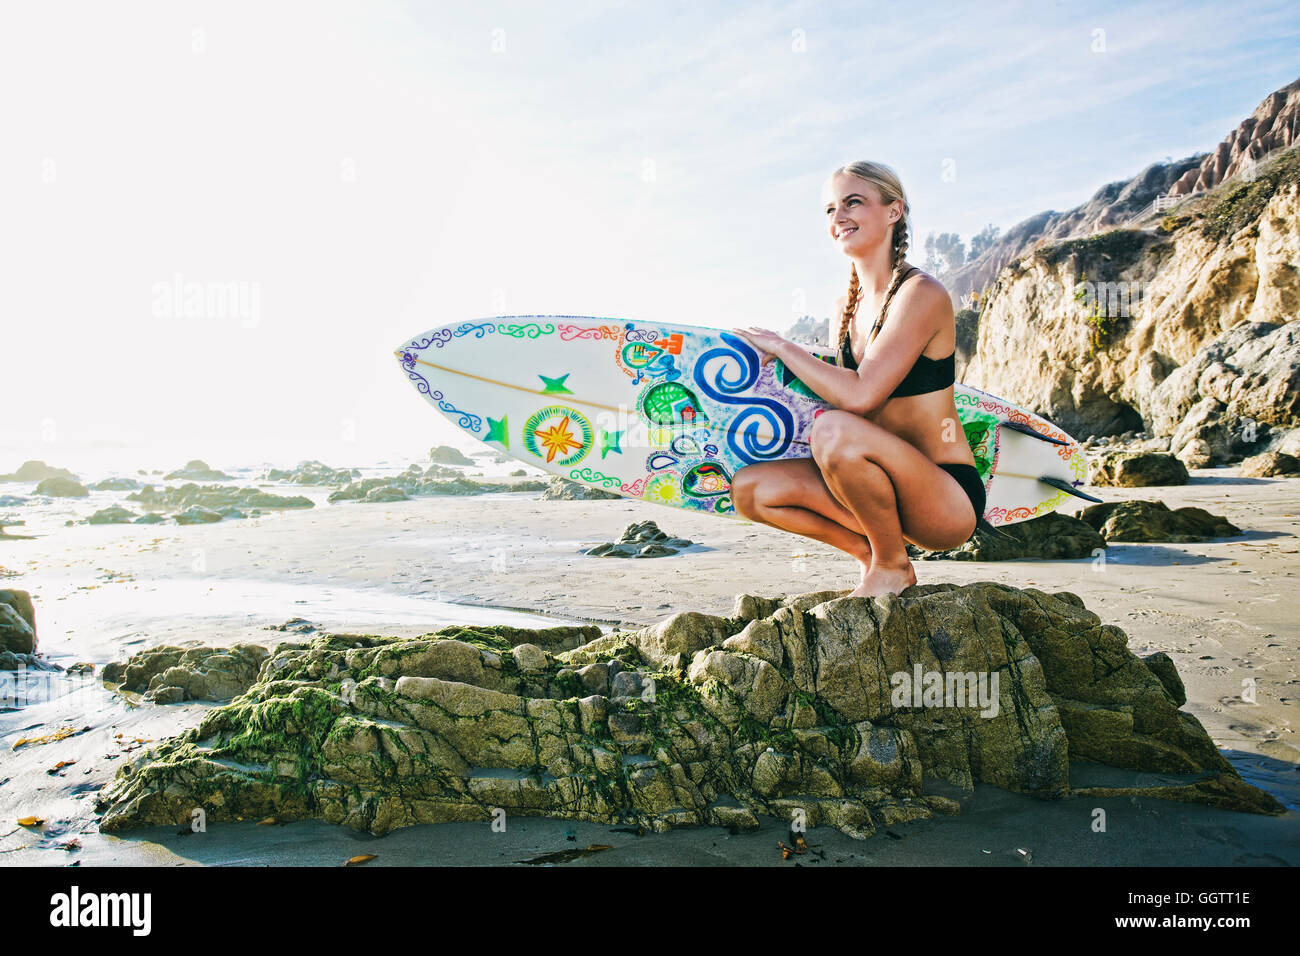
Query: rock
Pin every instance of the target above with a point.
(1162, 665)
(150, 518)
(297, 625)
(1052, 536)
(854, 705)
(1123, 470)
(1271, 464)
(116, 484)
(61, 488)
(9, 661)
(213, 498)
(447, 455)
(561, 489)
(1270, 127)
(642, 540)
(1153, 521)
(113, 514)
(1227, 397)
(17, 622)
(169, 675)
(529, 658)
(197, 515)
(38, 471)
(197, 470)
(412, 484)
(313, 473)
(439, 471)
(386, 493)
(518, 473)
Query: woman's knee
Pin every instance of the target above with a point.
(744, 493)
(826, 438)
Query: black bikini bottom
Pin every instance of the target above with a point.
(969, 479)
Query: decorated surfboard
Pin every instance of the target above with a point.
(669, 413)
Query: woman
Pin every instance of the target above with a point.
(890, 462)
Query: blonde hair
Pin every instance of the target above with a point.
(890, 189)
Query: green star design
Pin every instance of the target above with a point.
(498, 430)
(609, 442)
(555, 386)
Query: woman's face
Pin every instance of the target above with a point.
(855, 217)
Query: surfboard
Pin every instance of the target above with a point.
(669, 413)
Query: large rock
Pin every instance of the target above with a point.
(562, 489)
(1052, 536)
(447, 455)
(38, 471)
(59, 487)
(1271, 464)
(1122, 469)
(1232, 392)
(169, 674)
(196, 469)
(1153, 521)
(836, 707)
(17, 622)
(113, 514)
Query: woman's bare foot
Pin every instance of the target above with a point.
(880, 580)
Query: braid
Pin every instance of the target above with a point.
(900, 253)
(850, 306)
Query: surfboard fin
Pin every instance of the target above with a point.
(982, 525)
(1026, 430)
(1064, 485)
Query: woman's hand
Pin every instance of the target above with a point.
(763, 340)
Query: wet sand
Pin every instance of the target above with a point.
(1223, 610)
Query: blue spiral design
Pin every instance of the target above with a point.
(742, 432)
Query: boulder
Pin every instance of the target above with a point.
(839, 708)
(640, 540)
(1271, 464)
(38, 471)
(1122, 469)
(169, 674)
(17, 622)
(1052, 536)
(1154, 521)
(59, 487)
(113, 514)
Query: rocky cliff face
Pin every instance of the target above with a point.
(1272, 126)
(1094, 332)
(1113, 205)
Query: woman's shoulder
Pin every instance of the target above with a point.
(922, 289)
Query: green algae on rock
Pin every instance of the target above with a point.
(791, 704)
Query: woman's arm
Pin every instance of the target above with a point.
(915, 315)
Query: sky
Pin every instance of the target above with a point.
(351, 174)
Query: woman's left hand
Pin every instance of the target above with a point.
(763, 340)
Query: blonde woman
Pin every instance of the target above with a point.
(890, 463)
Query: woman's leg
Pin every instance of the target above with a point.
(888, 485)
(792, 495)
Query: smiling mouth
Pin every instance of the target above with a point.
(847, 232)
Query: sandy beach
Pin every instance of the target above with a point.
(1222, 610)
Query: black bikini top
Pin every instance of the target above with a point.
(927, 375)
